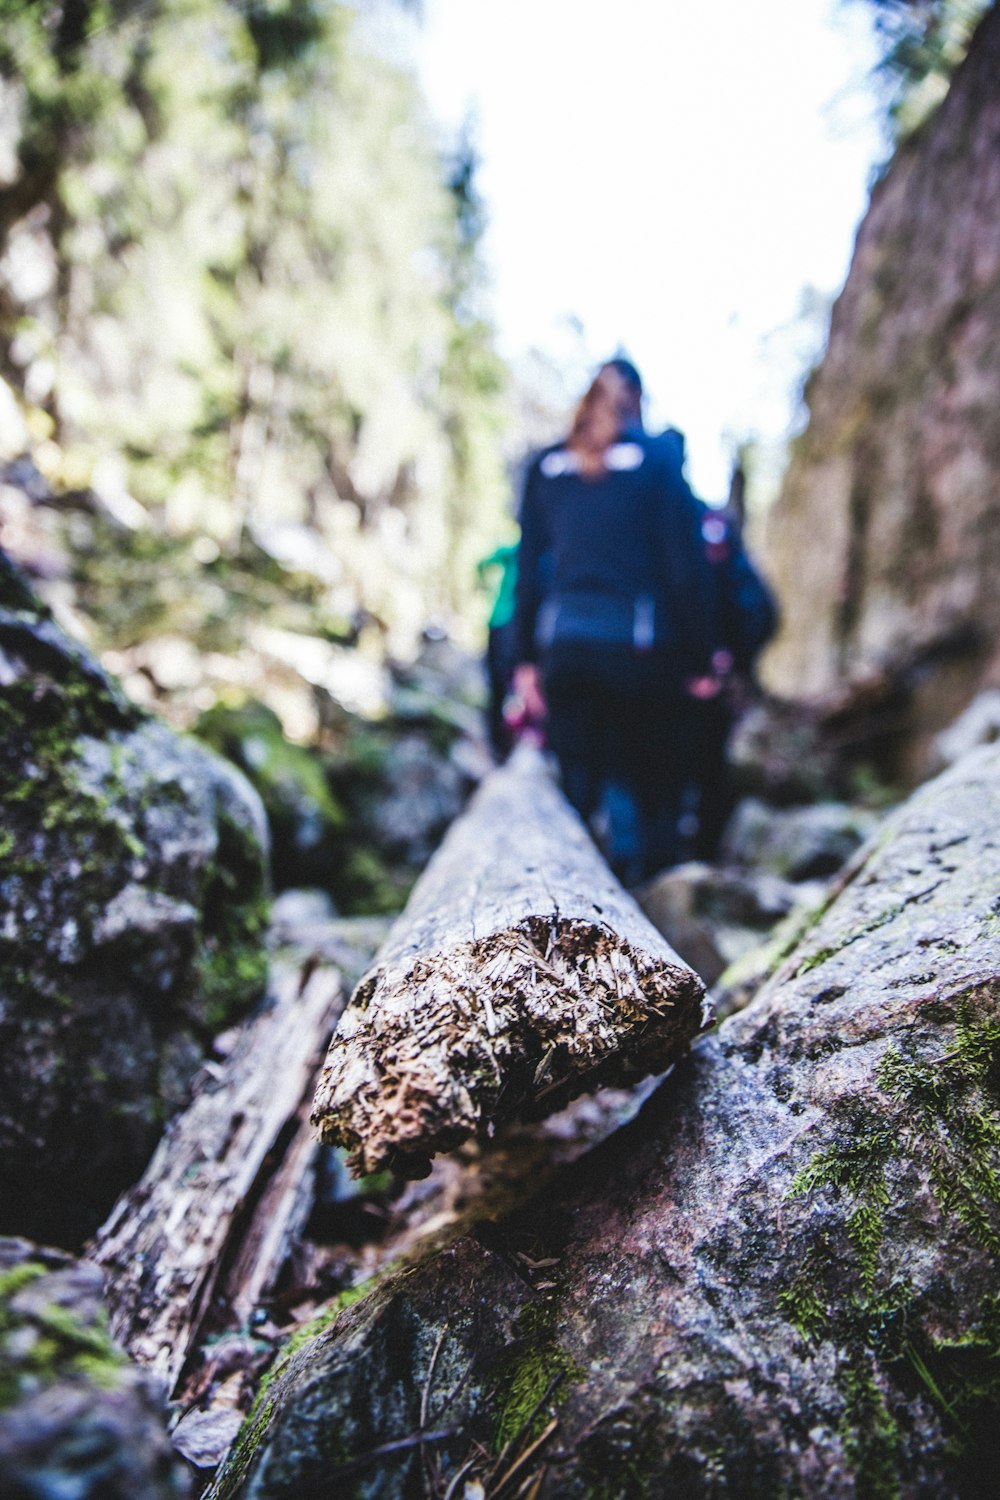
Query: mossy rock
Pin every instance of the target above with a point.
(133, 882)
(75, 1417)
(306, 819)
(359, 821)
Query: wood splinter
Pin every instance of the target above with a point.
(520, 975)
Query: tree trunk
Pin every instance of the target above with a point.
(227, 1187)
(780, 1280)
(520, 975)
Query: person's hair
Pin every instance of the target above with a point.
(599, 419)
(628, 372)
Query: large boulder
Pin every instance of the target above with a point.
(780, 1279)
(305, 818)
(133, 887)
(77, 1421)
(796, 843)
(879, 542)
(715, 915)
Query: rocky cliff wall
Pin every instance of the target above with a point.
(885, 541)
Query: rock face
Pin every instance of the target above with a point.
(132, 878)
(878, 543)
(780, 1279)
(75, 1418)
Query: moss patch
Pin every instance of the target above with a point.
(526, 1371)
(50, 1343)
(935, 1118)
(259, 1417)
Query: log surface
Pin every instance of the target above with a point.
(218, 1204)
(520, 975)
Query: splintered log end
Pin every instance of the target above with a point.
(434, 1049)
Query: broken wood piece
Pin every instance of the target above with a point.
(219, 1203)
(519, 975)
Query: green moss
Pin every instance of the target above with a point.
(871, 1436)
(64, 1347)
(55, 821)
(962, 1377)
(376, 1184)
(286, 775)
(937, 1116)
(231, 965)
(13, 1280)
(856, 1169)
(525, 1372)
(753, 968)
(92, 831)
(803, 1306)
(372, 887)
(230, 977)
(245, 1447)
(257, 1421)
(813, 960)
(93, 1339)
(97, 1370)
(304, 1335)
(323, 1320)
(948, 1110)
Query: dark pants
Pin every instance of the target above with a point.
(501, 648)
(712, 724)
(617, 726)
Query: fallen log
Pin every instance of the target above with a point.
(780, 1279)
(225, 1191)
(520, 975)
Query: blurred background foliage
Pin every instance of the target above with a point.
(922, 43)
(254, 431)
(251, 414)
(240, 289)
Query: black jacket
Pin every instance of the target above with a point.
(614, 560)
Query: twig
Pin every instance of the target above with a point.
(528, 1453)
(531, 1487)
(426, 1396)
(356, 1465)
(458, 1476)
(425, 1399)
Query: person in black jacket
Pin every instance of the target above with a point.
(611, 622)
(744, 617)
(741, 616)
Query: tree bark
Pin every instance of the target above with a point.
(520, 975)
(227, 1187)
(779, 1280)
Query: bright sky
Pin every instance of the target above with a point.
(672, 176)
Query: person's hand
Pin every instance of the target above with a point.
(527, 682)
(710, 684)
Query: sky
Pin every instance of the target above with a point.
(665, 179)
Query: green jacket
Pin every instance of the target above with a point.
(504, 558)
